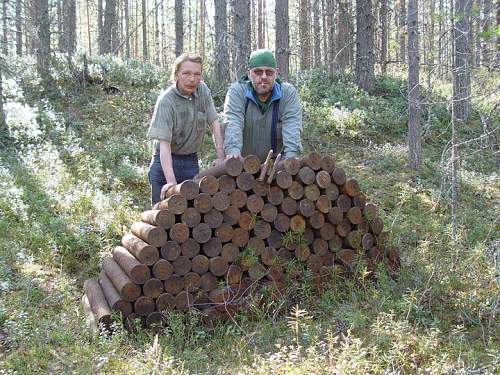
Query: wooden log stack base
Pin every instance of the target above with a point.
(234, 228)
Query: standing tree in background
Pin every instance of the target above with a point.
(414, 131)
(68, 37)
(305, 38)
(42, 43)
(145, 52)
(108, 25)
(261, 36)
(365, 71)
(486, 25)
(221, 44)
(282, 38)
(342, 38)
(201, 44)
(19, 28)
(5, 17)
(241, 35)
(179, 27)
(383, 36)
(402, 30)
(316, 34)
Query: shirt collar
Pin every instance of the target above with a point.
(176, 90)
(275, 93)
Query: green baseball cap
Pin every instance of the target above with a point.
(262, 57)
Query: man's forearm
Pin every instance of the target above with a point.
(166, 162)
(217, 138)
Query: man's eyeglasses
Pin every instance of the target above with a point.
(261, 72)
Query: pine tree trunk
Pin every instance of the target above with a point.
(19, 30)
(402, 30)
(305, 39)
(365, 74)
(179, 27)
(342, 37)
(414, 132)
(100, 26)
(317, 35)
(127, 28)
(5, 44)
(486, 23)
(157, 35)
(145, 52)
(221, 44)
(109, 24)
(60, 34)
(69, 28)
(242, 35)
(201, 47)
(4, 131)
(42, 24)
(383, 36)
(282, 37)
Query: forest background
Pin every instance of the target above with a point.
(403, 93)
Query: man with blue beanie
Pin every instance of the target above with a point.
(262, 113)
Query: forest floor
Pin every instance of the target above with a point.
(73, 179)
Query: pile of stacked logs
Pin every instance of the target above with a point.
(237, 225)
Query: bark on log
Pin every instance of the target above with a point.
(122, 283)
(137, 272)
(231, 167)
(114, 299)
(155, 236)
(189, 189)
(175, 204)
(160, 218)
(98, 303)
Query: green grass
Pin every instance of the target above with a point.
(73, 178)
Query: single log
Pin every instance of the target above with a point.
(202, 233)
(338, 176)
(262, 229)
(171, 251)
(272, 173)
(221, 201)
(208, 184)
(344, 202)
(183, 301)
(313, 161)
(247, 220)
(137, 272)
(154, 236)
(377, 226)
(224, 232)
(245, 181)
(227, 184)
(200, 298)
(332, 192)
(238, 199)
(328, 259)
(192, 281)
(306, 207)
(213, 218)
(257, 271)
(316, 220)
(282, 223)
(231, 215)
(306, 175)
(296, 190)
(190, 248)
(89, 316)
(375, 254)
(275, 239)
(275, 272)
(297, 223)
(179, 232)
(289, 206)
(302, 252)
(191, 217)
(290, 165)
(189, 189)
(269, 256)
(359, 201)
(155, 319)
(213, 247)
(323, 179)
(230, 252)
(174, 284)
(251, 164)
(314, 263)
(200, 264)
(175, 204)
(351, 187)
(344, 228)
(346, 256)
(152, 288)
(269, 212)
(275, 195)
(256, 245)
(128, 290)
(354, 238)
(203, 202)
(144, 306)
(284, 179)
(162, 269)
(165, 301)
(328, 163)
(335, 243)
(370, 211)
(327, 231)
(261, 188)
(308, 236)
(368, 241)
(208, 282)
(115, 301)
(160, 218)
(364, 226)
(231, 167)
(335, 215)
(97, 302)
(312, 192)
(255, 203)
(182, 265)
(218, 266)
(234, 274)
(240, 237)
(323, 204)
(355, 215)
(284, 255)
(266, 166)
